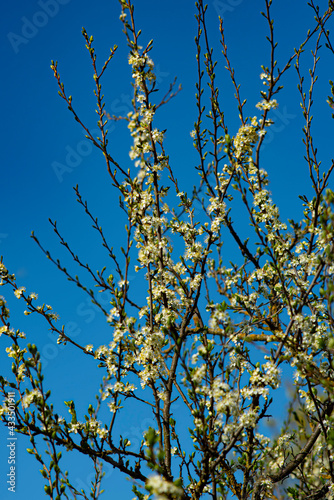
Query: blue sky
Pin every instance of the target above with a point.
(38, 135)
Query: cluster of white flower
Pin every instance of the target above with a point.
(263, 440)
(228, 430)
(198, 373)
(11, 332)
(279, 452)
(101, 351)
(118, 387)
(113, 407)
(4, 308)
(194, 252)
(309, 403)
(21, 371)
(266, 77)
(75, 427)
(225, 398)
(3, 269)
(15, 351)
(267, 488)
(238, 362)
(245, 140)
(45, 311)
(31, 397)
(4, 408)
(163, 489)
(248, 418)
(273, 104)
(147, 354)
(142, 68)
(268, 214)
(114, 313)
(268, 375)
(140, 122)
(95, 428)
(19, 292)
(217, 207)
(165, 317)
(195, 282)
(4, 329)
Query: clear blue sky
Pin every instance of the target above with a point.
(38, 133)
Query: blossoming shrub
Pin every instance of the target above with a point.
(217, 336)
